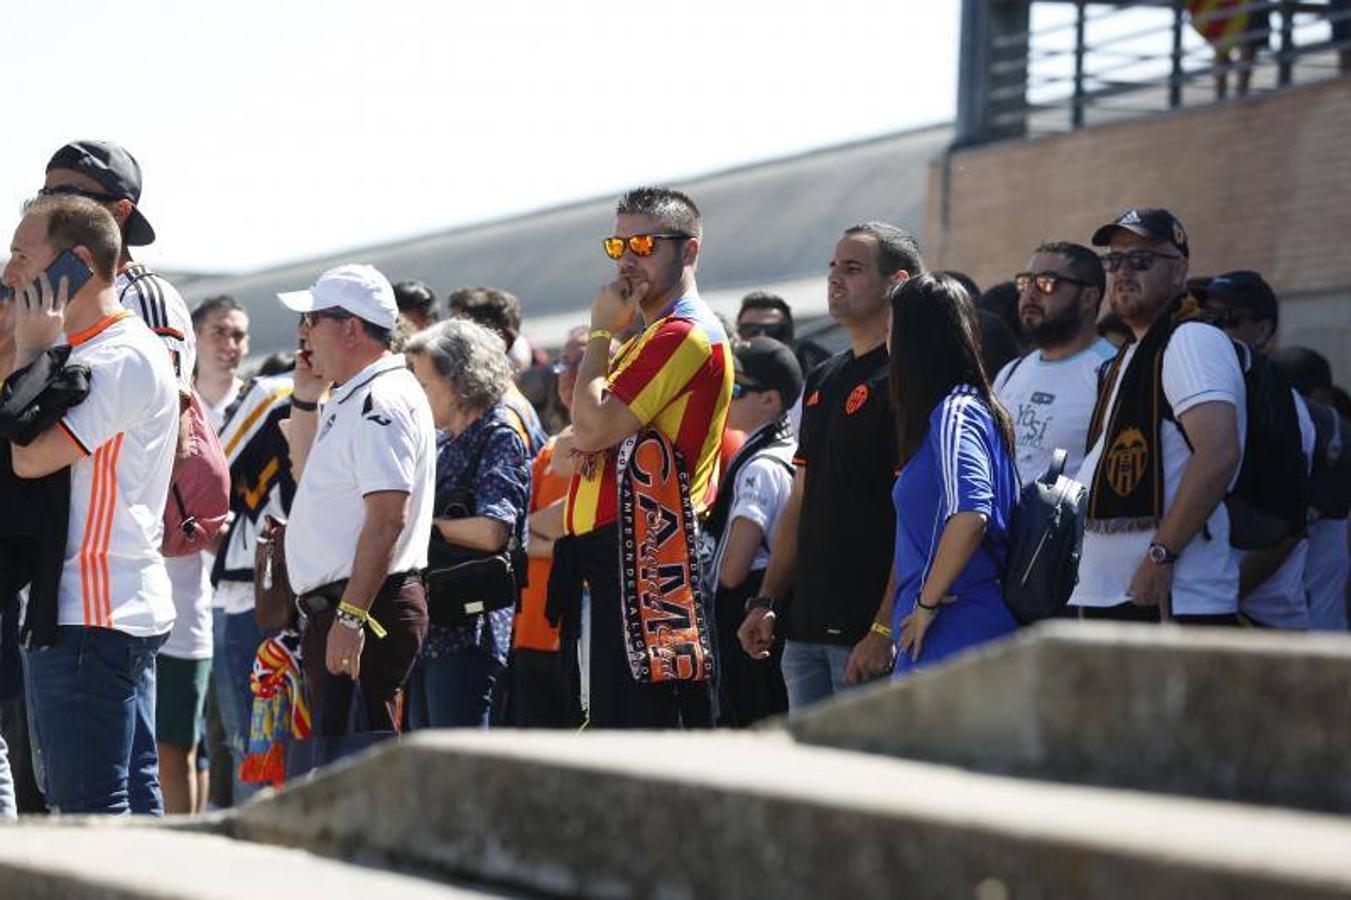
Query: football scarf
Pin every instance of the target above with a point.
(661, 593)
(1126, 491)
(279, 711)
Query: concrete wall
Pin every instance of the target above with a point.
(1262, 183)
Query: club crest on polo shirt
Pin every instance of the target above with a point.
(1126, 461)
(369, 413)
(814, 399)
(328, 425)
(857, 397)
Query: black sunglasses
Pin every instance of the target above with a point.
(1139, 260)
(71, 190)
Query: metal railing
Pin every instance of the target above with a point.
(1105, 63)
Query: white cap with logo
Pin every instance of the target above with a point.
(359, 289)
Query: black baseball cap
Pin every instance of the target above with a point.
(1150, 222)
(763, 362)
(117, 172)
(1243, 290)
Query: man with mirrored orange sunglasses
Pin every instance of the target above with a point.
(674, 379)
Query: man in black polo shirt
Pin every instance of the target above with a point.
(834, 543)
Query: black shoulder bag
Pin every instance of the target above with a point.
(463, 582)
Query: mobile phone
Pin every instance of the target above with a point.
(67, 266)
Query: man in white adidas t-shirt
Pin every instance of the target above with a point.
(110, 176)
(93, 690)
(1051, 391)
(1157, 539)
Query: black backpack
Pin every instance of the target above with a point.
(1047, 540)
(1270, 499)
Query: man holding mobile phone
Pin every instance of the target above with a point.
(674, 380)
(91, 661)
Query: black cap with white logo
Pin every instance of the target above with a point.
(1154, 223)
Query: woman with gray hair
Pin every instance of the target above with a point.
(482, 494)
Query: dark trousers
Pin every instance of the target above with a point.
(1130, 612)
(617, 700)
(401, 607)
(546, 688)
(748, 689)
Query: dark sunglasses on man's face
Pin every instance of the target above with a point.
(776, 330)
(638, 244)
(1140, 260)
(71, 190)
(1046, 282)
(309, 319)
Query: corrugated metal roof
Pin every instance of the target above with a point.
(768, 225)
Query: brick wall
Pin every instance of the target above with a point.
(1262, 183)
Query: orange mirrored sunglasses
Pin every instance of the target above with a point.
(639, 244)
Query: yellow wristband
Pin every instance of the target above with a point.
(364, 615)
(599, 333)
(879, 628)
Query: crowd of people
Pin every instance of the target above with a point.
(672, 522)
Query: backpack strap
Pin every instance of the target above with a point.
(1059, 457)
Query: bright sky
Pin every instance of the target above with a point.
(282, 130)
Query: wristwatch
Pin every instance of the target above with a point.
(1160, 555)
(759, 603)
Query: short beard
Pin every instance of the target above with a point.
(1053, 331)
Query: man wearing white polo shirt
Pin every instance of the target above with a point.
(357, 538)
(93, 681)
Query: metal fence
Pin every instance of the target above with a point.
(1063, 65)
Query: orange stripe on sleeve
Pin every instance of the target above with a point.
(87, 541)
(104, 578)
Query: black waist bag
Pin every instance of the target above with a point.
(461, 582)
(1048, 537)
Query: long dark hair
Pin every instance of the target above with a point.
(935, 346)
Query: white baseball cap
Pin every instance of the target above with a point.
(359, 289)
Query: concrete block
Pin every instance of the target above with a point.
(88, 858)
(1260, 718)
(615, 814)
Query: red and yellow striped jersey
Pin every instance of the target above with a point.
(676, 377)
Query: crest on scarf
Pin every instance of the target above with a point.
(1126, 461)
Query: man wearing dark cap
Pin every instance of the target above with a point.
(1165, 442)
(1271, 579)
(107, 174)
(742, 519)
(1328, 564)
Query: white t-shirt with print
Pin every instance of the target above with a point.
(1281, 601)
(761, 489)
(1051, 402)
(1199, 366)
(127, 429)
(375, 434)
(191, 575)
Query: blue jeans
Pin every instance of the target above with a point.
(813, 672)
(236, 637)
(93, 695)
(454, 689)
